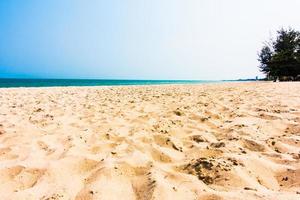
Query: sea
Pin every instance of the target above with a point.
(8, 82)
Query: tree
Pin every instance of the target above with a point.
(265, 57)
(281, 57)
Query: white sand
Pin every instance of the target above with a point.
(210, 142)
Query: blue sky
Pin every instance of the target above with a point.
(138, 39)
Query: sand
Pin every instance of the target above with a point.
(211, 142)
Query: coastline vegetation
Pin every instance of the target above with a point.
(280, 57)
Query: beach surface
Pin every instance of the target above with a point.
(232, 141)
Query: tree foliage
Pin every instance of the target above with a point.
(281, 57)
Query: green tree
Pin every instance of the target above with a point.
(281, 57)
(265, 57)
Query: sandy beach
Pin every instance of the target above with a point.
(205, 142)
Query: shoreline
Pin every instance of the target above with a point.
(21, 83)
(142, 85)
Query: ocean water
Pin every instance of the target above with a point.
(7, 83)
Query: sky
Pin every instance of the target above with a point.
(138, 39)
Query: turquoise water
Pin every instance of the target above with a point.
(5, 83)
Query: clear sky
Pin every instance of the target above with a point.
(138, 39)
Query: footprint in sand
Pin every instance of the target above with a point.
(165, 141)
(160, 156)
(289, 179)
(6, 154)
(252, 145)
(210, 197)
(20, 177)
(113, 182)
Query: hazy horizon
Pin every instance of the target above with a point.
(154, 40)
